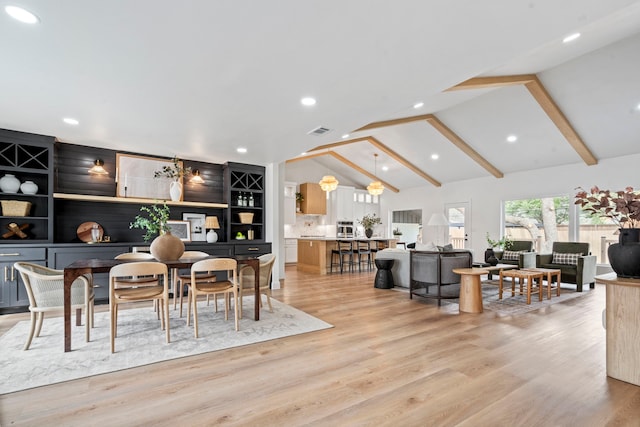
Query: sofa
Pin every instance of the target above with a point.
(431, 275)
(520, 253)
(575, 262)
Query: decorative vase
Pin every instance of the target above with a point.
(490, 257)
(167, 247)
(625, 259)
(368, 232)
(629, 235)
(29, 187)
(175, 191)
(9, 184)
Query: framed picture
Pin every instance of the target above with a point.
(135, 177)
(182, 229)
(198, 232)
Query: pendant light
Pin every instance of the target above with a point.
(375, 188)
(328, 183)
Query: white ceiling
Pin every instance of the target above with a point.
(200, 78)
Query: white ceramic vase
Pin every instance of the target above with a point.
(9, 184)
(29, 187)
(175, 191)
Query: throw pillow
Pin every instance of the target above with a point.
(430, 246)
(512, 255)
(446, 248)
(560, 258)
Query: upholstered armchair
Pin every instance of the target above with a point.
(574, 261)
(433, 269)
(520, 253)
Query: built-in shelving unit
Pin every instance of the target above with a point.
(29, 158)
(245, 194)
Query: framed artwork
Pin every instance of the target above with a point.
(181, 229)
(198, 232)
(134, 177)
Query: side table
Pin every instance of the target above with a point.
(470, 289)
(384, 276)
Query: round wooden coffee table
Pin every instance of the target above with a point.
(470, 289)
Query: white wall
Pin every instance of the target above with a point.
(486, 194)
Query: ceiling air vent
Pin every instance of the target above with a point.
(320, 130)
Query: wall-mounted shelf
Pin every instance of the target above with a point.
(135, 200)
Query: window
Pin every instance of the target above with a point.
(543, 220)
(599, 233)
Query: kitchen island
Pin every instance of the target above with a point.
(314, 253)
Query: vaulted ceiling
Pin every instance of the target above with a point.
(199, 79)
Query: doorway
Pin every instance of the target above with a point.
(459, 217)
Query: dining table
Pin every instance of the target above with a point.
(94, 265)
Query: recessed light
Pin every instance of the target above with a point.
(21, 14)
(308, 101)
(435, 156)
(385, 168)
(570, 38)
(70, 121)
(241, 150)
(345, 136)
(512, 138)
(418, 105)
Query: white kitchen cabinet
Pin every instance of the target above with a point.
(290, 251)
(289, 203)
(341, 204)
(364, 204)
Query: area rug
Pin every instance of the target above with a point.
(510, 306)
(140, 341)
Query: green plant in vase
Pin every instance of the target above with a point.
(368, 222)
(155, 223)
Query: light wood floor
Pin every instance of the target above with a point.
(389, 361)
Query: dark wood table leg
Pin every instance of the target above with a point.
(70, 275)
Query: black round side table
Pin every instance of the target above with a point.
(384, 277)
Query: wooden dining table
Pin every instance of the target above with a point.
(94, 265)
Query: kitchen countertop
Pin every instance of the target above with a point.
(332, 239)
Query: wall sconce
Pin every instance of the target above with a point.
(196, 178)
(98, 168)
(211, 223)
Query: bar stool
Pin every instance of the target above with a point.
(344, 249)
(363, 250)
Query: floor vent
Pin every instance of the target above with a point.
(320, 130)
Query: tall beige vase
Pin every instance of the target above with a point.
(167, 247)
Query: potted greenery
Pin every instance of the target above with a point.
(623, 209)
(368, 222)
(176, 171)
(299, 199)
(397, 232)
(166, 246)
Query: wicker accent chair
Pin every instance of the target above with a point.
(581, 273)
(247, 280)
(434, 269)
(45, 288)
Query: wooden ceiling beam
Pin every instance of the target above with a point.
(489, 82)
(338, 144)
(539, 92)
(403, 161)
(393, 122)
(542, 97)
(363, 171)
(306, 157)
(463, 146)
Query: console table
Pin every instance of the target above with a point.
(91, 266)
(623, 327)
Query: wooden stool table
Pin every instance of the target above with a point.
(549, 272)
(528, 276)
(470, 289)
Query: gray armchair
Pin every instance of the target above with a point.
(525, 260)
(582, 273)
(434, 269)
